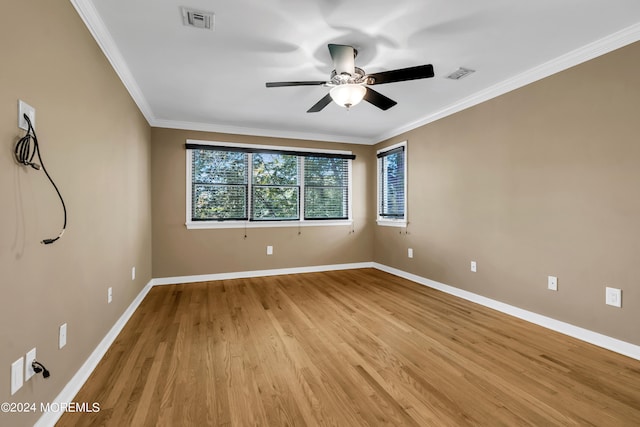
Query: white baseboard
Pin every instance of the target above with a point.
(68, 393)
(258, 273)
(595, 338)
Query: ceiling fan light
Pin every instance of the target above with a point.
(348, 95)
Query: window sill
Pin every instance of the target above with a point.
(203, 225)
(392, 222)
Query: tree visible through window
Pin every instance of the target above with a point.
(219, 185)
(326, 188)
(276, 189)
(240, 184)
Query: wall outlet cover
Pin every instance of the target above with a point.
(613, 297)
(62, 337)
(28, 369)
(474, 266)
(552, 283)
(17, 375)
(24, 108)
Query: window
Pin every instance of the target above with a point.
(326, 191)
(231, 184)
(392, 187)
(276, 187)
(219, 185)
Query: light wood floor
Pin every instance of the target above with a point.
(348, 348)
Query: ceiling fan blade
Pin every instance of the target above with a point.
(378, 99)
(320, 104)
(307, 83)
(403, 74)
(343, 57)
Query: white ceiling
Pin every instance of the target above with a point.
(188, 78)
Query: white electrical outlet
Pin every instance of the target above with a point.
(269, 250)
(133, 273)
(613, 297)
(552, 283)
(410, 253)
(62, 336)
(28, 369)
(474, 266)
(17, 375)
(109, 295)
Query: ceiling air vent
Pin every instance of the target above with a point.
(460, 73)
(197, 18)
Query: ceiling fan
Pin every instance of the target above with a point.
(349, 84)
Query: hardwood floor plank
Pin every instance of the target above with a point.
(347, 348)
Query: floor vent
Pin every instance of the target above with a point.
(197, 18)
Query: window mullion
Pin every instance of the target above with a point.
(301, 189)
(250, 186)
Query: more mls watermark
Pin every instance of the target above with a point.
(21, 407)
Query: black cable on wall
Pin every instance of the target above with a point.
(25, 152)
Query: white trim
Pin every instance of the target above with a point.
(595, 338)
(69, 392)
(82, 375)
(392, 147)
(390, 222)
(570, 59)
(300, 222)
(258, 273)
(269, 133)
(96, 26)
(189, 192)
(204, 225)
(101, 35)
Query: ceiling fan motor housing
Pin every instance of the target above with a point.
(358, 77)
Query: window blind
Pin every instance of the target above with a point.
(300, 153)
(219, 185)
(236, 183)
(391, 191)
(275, 189)
(326, 188)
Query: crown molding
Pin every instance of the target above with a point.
(273, 133)
(575, 57)
(98, 29)
(101, 35)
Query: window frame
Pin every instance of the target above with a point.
(383, 220)
(248, 223)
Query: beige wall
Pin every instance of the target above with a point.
(96, 146)
(181, 252)
(541, 181)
